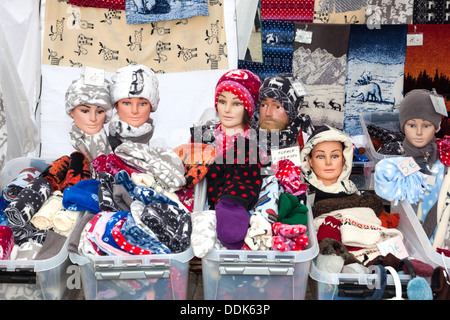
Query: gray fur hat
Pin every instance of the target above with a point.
(417, 104)
(135, 81)
(281, 88)
(81, 93)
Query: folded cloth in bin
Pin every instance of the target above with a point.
(291, 211)
(100, 234)
(171, 225)
(259, 234)
(123, 243)
(43, 219)
(56, 172)
(204, 234)
(24, 177)
(111, 164)
(6, 242)
(64, 221)
(105, 192)
(163, 164)
(83, 196)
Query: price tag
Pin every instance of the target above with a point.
(291, 153)
(414, 39)
(303, 36)
(94, 76)
(439, 104)
(298, 87)
(395, 246)
(408, 166)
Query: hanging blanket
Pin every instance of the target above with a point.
(322, 67)
(431, 12)
(340, 11)
(293, 10)
(101, 38)
(376, 59)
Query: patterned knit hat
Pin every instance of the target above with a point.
(135, 81)
(80, 93)
(243, 83)
(281, 88)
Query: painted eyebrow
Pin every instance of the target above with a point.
(331, 150)
(236, 97)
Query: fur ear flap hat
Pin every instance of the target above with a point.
(135, 81)
(243, 83)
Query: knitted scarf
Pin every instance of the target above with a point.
(120, 130)
(427, 154)
(96, 144)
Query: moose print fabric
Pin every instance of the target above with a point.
(101, 38)
(375, 68)
(148, 11)
(322, 67)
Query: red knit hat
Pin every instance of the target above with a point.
(243, 83)
(330, 228)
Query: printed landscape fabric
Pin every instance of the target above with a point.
(390, 11)
(101, 38)
(375, 70)
(322, 67)
(148, 11)
(287, 10)
(427, 66)
(277, 49)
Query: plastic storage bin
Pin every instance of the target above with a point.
(259, 275)
(135, 277)
(386, 120)
(33, 279)
(346, 286)
(362, 174)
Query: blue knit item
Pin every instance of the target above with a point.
(419, 289)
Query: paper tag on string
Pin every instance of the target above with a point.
(298, 87)
(303, 36)
(439, 104)
(94, 76)
(414, 39)
(395, 246)
(408, 166)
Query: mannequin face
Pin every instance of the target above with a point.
(231, 112)
(419, 132)
(134, 111)
(272, 115)
(327, 161)
(88, 118)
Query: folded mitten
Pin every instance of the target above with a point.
(291, 211)
(232, 223)
(259, 234)
(56, 172)
(204, 234)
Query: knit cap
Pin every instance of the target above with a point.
(135, 81)
(417, 104)
(282, 88)
(80, 92)
(243, 83)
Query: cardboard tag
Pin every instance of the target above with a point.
(414, 39)
(94, 76)
(291, 153)
(408, 166)
(395, 246)
(430, 180)
(439, 104)
(303, 36)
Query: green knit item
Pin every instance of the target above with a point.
(291, 211)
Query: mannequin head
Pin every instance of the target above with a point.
(419, 132)
(279, 101)
(236, 94)
(88, 105)
(88, 118)
(327, 161)
(134, 111)
(135, 94)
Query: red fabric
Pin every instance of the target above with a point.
(444, 150)
(289, 237)
(289, 177)
(6, 242)
(106, 4)
(389, 220)
(330, 228)
(123, 243)
(293, 10)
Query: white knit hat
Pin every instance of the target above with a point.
(135, 81)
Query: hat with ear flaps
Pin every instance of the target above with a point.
(343, 185)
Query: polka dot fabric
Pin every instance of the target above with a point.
(297, 10)
(244, 84)
(236, 176)
(444, 150)
(106, 4)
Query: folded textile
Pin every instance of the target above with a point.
(111, 164)
(392, 185)
(288, 237)
(369, 200)
(43, 219)
(204, 235)
(28, 250)
(259, 234)
(163, 164)
(171, 225)
(289, 177)
(121, 197)
(105, 192)
(56, 172)
(330, 228)
(138, 234)
(79, 169)
(231, 223)
(83, 196)
(52, 245)
(267, 202)
(75, 236)
(123, 243)
(149, 196)
(12, 189)
(291, 211)
(6, 242)
(64, 220)
(87, 246)
(99, 234)
(106, 4)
